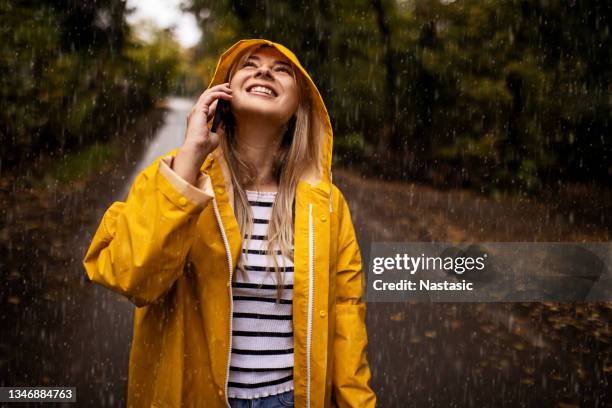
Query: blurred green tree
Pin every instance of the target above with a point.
(72, 73)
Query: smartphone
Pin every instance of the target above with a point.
(221, 114)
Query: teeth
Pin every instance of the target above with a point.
(262, 89)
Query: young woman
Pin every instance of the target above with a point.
(240, 253)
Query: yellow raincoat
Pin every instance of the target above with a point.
(171, 249)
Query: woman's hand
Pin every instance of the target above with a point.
(199, 140)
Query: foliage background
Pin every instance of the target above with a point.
(511, 95)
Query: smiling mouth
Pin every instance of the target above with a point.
(261, 91)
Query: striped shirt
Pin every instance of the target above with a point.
(262, 330)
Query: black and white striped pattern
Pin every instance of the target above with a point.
(262, 330)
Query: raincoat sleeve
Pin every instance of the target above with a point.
(351, 374)
(141, 245)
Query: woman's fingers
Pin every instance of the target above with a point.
(217, 88)
(214, 88)
(212, 96)
(205, 105)
(209, 97)
(202, 111)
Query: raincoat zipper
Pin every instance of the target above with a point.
(228, 252)
(310, 299)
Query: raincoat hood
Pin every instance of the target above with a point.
(320, 122)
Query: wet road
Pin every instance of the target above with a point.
(477, 354)
(60, 330)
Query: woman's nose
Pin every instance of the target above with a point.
(263, 71)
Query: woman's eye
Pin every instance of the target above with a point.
(249, 63)
(284, 69)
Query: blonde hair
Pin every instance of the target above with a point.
(296, 153)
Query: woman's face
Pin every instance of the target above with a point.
(264, 85)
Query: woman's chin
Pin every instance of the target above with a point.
(258, 109)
